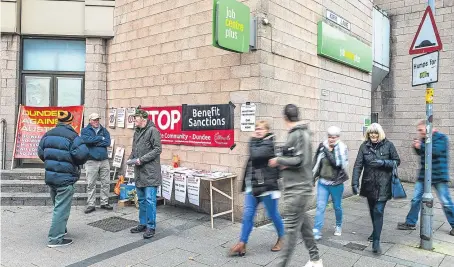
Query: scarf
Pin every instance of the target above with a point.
(340, 154)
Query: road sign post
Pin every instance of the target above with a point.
(427, 198)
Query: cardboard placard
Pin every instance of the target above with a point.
(193, 184)
(118, 159)
(112, 117)
(130, 118)
(180, 187)
(121, 116)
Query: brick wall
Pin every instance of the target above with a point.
(327, 92)
(399, 104)
(10, 47)
(162, 55)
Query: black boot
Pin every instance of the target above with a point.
(370, 238)
(149, 233)
(376, 247)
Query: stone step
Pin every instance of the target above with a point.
(22, 174)
(43, 199)
(31, 174)
(38, 186)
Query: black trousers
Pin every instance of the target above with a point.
(376, 209)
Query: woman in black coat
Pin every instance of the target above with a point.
(376, 159)
(260, 184)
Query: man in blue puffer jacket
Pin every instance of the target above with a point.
(97, 139)
(62, 152)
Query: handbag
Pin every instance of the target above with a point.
(397, 188)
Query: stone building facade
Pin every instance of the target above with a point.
(162, 55)
(159, 53)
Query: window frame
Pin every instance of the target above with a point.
(53, 84)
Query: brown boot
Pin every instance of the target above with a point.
(239, 249)
(278, 245)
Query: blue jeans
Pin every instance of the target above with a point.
(444, 196)
(250, 207)
(147, 206)
(323, 193)
(376, 210)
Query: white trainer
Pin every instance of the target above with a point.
(317, 234)
(338, 231)
(318, 263)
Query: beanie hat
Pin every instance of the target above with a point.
(65, 116)
(141, 113)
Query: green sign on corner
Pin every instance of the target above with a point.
(339, 46)
(231, 25)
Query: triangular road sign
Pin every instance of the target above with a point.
(427, 38)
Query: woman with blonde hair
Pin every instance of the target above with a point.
(376, 159)
(260, 185)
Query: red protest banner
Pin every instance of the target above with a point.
(170, 120)
(34, 122)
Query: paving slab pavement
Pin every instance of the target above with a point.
(185, 238)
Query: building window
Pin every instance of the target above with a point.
(53, 72)
(54, 55)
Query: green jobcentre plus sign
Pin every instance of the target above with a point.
(339, 46)
(231, 25)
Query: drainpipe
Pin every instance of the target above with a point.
(3, 122)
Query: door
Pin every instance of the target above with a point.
(44, 90)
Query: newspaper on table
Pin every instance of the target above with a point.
(180, 186)
(193, 183)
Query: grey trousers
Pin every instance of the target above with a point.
(297, 220)
(98, 169)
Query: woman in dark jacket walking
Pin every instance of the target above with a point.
(376, 158)
(260, 184)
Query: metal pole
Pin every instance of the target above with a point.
(427, 198)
